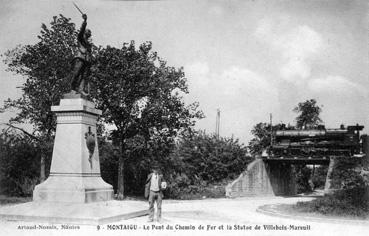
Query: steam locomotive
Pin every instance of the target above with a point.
(318, 142)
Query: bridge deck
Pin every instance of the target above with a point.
(307, 160)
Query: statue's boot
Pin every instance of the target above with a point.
(83, 93)
(81, 89)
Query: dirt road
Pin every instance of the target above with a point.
(209, 217)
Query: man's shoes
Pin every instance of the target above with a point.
(150, 220)
(159, 220)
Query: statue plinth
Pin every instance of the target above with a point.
(75, 167)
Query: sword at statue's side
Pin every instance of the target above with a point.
(78, 8)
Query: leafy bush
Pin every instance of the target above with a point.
(199, 190)
(347, 174)
(19, 164)
(303, 174)
(204, 164)
(199, 165)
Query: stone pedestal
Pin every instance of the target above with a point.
(75, 167)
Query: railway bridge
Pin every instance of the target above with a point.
(273, 173)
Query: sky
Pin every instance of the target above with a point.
(248, 58)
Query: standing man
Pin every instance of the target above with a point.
(154, 187)
(82, 60)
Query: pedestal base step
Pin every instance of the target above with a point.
(70, 188)
(75, 213)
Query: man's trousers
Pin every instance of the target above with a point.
(155, 197)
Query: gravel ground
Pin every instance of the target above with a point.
(205, 217)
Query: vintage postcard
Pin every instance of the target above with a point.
(189, 117)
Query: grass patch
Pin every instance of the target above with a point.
(344, 203)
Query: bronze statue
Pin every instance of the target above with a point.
(82, 61)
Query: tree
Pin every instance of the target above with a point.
(45, 67)
(262, 138)
(308, 114)
(140, 95)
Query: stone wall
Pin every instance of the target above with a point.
(254, 181)
(263, 179)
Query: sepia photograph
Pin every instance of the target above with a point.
(184, 117)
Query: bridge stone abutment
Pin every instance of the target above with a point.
(331, 184)
(365, 161)
(262, 178)
(328, 187)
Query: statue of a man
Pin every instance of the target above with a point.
(82, 61)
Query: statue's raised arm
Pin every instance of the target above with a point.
(82, 30)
